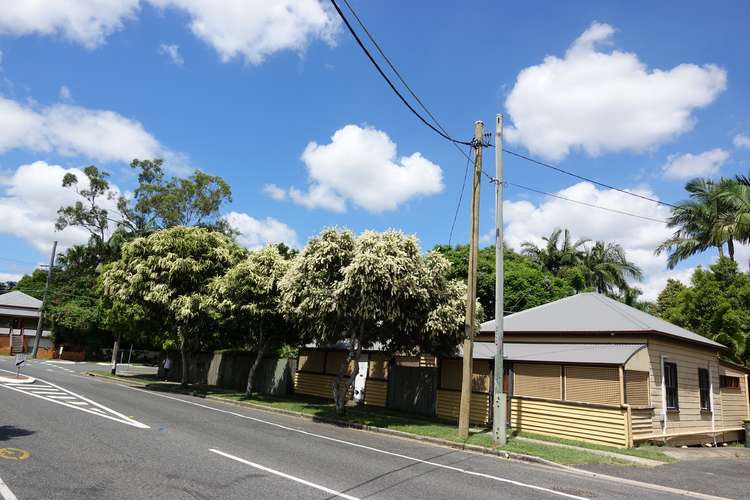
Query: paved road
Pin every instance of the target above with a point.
(131, 443)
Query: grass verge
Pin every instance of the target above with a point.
(397, 421)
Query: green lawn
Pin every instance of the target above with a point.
(388, 419)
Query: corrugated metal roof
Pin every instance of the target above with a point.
(605, 354)
(591, 313)
(18, 312)
(19, 299)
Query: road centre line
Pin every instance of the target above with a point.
(284, 475)
(370, 448)
(123, 419)
(5, 492)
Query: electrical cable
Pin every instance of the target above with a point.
(590, 205)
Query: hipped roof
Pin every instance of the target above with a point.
(592, 313)
(19, 299)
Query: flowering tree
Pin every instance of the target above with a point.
(167, 273)
(370, 289)
(247, 302)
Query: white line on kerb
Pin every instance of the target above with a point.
(5, 492)
(285, 476)
(370, 448)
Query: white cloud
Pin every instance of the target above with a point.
(87, 22)
(688, 166)
(256, 233)
(29, 199)
(275, 192)
(605, 101)
(655, 282)
(360, 165)
(255, 29)
(250, 29)
(65, 94)
(318, 196)
(10, 276)
(526, 221)
(741, 141)
(75, 131)
(172, 52)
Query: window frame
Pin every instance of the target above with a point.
(673, 388)
(724, 382)
(704, 376)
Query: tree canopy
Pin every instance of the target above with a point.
(715, 305)
(167, 273)
(376, 288)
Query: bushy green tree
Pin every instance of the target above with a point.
(373, 289)
(246, 301)
(715, 305)
(526, 283)
(168, 273)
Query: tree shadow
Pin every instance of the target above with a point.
(8, 432)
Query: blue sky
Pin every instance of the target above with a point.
(250, 89)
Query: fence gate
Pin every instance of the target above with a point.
(412, 389)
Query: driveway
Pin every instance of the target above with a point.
(714, 471)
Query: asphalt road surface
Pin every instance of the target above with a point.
(70, 436)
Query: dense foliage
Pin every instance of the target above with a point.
(372, 289)
(715, 305)
(167, 273)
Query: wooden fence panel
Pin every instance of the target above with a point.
(584, 422)
(449, 402)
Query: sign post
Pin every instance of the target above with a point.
(20, 360)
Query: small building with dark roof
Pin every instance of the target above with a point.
(19, 316)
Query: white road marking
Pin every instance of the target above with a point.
(62, 397)
(370, 448)
(285, 476)
(101, 410)
(5, 492)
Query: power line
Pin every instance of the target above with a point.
(587, 179)
(390, 83)
(460, 199)
(591, 205)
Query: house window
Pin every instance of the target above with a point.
(704, 383)
(670, 384)
(729, 382)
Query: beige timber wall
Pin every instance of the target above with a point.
(689, 419)
(592, 384)
(599, 424)
(449, 402)
(537, 380)
(637, 389)
(734, 402)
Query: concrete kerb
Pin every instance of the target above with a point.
(12, 380)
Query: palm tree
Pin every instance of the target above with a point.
(556, 256)
(607, 269)
(699, 223)
(734, 221)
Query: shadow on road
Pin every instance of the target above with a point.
(8, 432)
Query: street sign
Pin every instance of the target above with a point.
(20, 360)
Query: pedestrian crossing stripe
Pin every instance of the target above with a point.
(55, 394)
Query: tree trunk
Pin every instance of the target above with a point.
(183, 360)
(341, 388)
(115, 348)
(730, 247)
(721, 250)
(262, 346)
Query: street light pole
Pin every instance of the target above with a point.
(500, 402)
(40, 324)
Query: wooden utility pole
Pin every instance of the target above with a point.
(471, 300)
(499, 399)
(39, 324)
